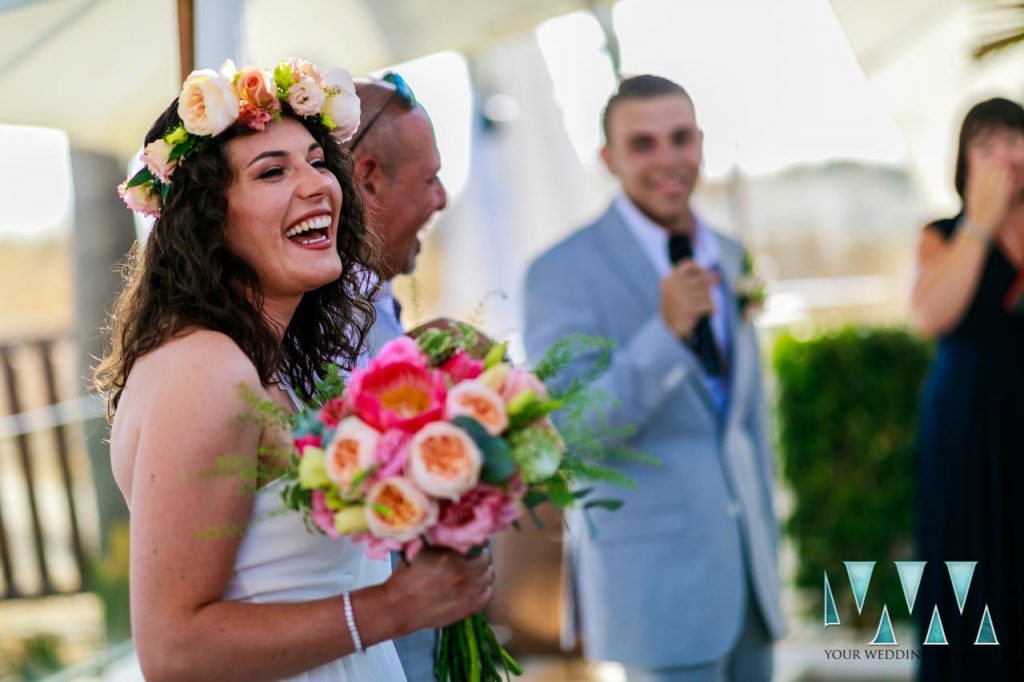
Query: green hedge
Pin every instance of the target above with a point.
(847, 415)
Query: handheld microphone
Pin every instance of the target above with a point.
(703, 341)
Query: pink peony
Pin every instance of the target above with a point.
(254, 117)
(518, 381)
(462, 366)
(397, 390)
(310, 440)
(470, 521)
(392, 453)
(322, 516)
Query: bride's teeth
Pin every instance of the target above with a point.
(317, 223)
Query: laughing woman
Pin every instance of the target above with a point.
(250, 277)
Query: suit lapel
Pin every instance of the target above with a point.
(628, 260)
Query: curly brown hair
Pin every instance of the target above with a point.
(186, 277)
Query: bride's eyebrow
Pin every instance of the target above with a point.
(281, 154)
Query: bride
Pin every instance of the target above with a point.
(250, 277)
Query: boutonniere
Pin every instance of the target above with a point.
(750, 289)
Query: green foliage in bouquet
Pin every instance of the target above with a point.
(847, 416)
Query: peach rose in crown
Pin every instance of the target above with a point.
(444, 461)
(353, 449)
(208, 104)
(397, 510)
(476, 399)
(256, 88)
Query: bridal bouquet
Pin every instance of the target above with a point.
(431, 445)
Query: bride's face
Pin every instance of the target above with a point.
(283, 209)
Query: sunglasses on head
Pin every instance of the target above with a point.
(402, 91)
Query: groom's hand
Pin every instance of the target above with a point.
(686, 297)
(441, 587)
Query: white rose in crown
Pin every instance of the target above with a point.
(208, 103)
(342, 105)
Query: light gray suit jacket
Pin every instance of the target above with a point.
(665, 580)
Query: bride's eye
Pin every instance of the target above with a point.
(271, 172)
(318, 163)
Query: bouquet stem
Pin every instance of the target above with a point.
(469, 651)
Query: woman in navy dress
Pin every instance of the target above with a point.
(971, 442)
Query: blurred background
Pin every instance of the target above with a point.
(830, 129)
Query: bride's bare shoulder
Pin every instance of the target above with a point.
(200, 359)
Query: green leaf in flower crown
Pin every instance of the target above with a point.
(283, 78)
(499, 466)
(140, 178)
(176, 136)
(164, 191)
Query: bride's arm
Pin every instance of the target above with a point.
(186, 529)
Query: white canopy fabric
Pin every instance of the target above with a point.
(103, 69)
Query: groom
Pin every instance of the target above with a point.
(680, 584)
(396, 166)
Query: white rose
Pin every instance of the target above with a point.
(207, 104)
(342, 104)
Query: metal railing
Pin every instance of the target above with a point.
(29, 374)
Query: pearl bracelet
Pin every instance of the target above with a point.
(350, 620)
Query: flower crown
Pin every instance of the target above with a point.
(212, 101)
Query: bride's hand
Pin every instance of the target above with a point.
(441, 587)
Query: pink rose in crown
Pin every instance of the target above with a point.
(518, 381)
(468, 522)
(141, 198)
(254, 117)
(157, 157)
(462, 366)
(397, 390)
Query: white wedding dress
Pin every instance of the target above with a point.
(279, 560)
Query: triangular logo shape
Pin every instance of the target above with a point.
(885, 635)
(986, 631)
(831, 614)
(859, 573)
(910, 578)
(936, 633)
(961, 573)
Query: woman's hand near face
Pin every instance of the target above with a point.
(987, 191)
